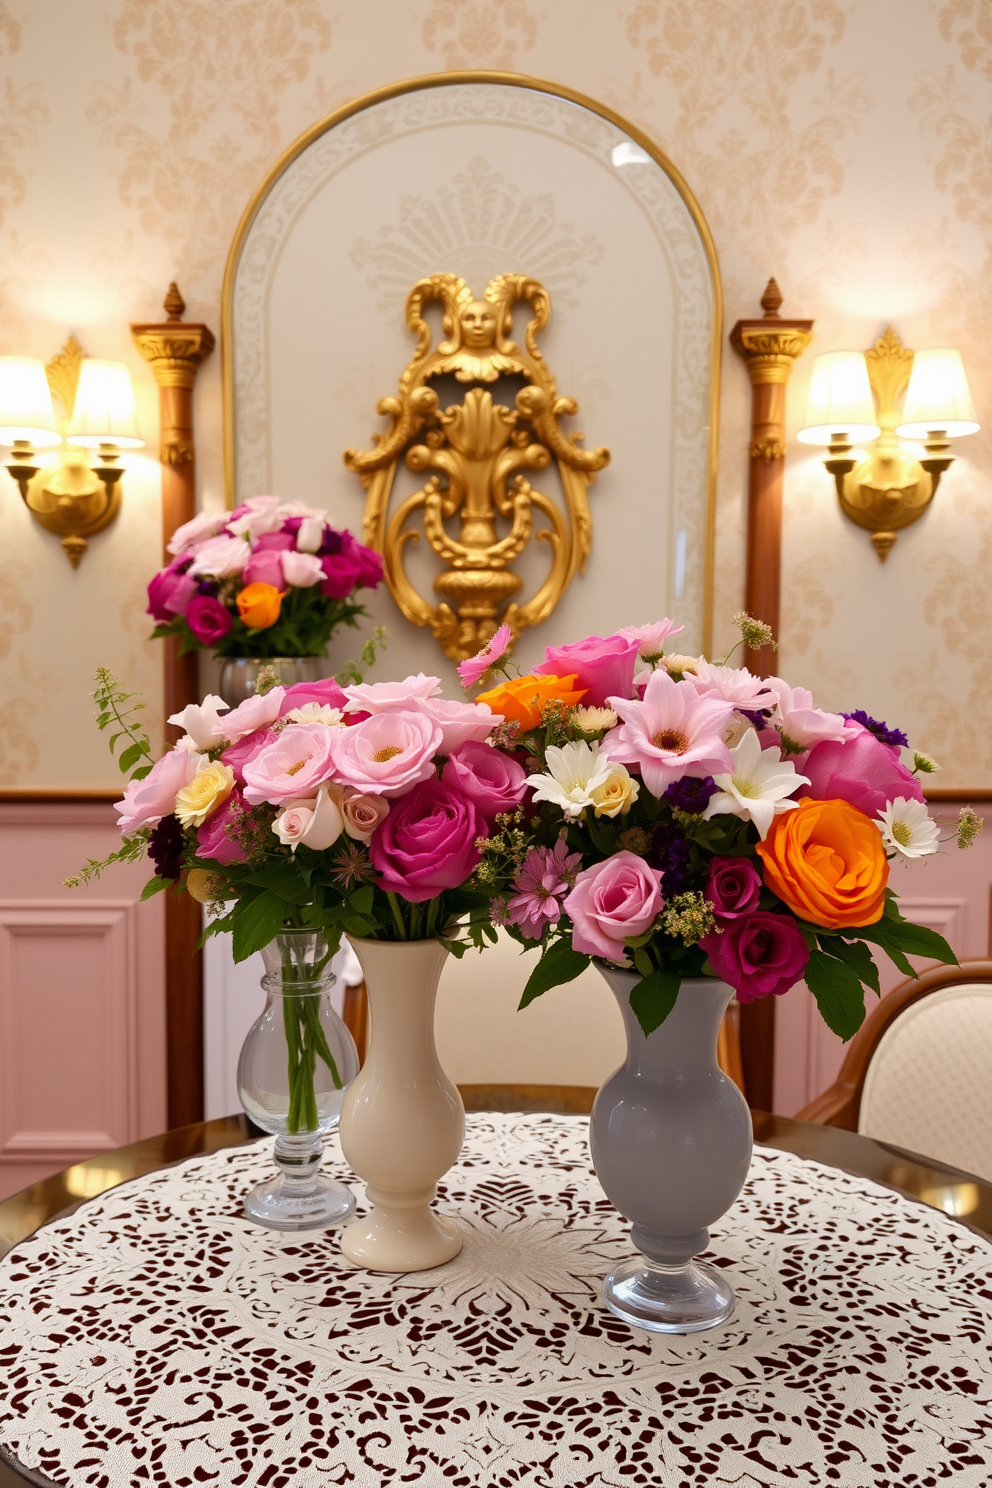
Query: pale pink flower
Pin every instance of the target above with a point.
(301, 570)
(543, 881)
(650, 638)
(672, 732)
(478, 665)
(802, 726)
(310, 534)
(292, 767)
(254, 713)
(203, 722)
(376, 697)
(316, 822)
(362, 813)
(613, 901)
(147, 801)
(196, 530)
(735, 684)
(301, 509)
(257, 515)
(459, 722)
(387, 754)
(220, 558)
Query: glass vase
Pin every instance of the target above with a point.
(295, 1066)
(238, 674)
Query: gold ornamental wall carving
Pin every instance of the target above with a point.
(477, 456)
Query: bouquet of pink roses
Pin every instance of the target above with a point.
(686, 818)
(268, 579)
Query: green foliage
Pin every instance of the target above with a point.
(654, 997)
(130, 850)
(838, 992)
(558, 964)
(352, 672)
(117, 709)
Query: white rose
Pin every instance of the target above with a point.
(220, 557)
(310, 535)
(302, 570)
(316, 822)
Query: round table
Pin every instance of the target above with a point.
(150, 1335)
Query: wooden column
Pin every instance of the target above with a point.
(174, 350)
(769, 347)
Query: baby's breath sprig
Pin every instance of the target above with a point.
(688, 917)
(503, 851)
(969, 826)
(267, 678)
(558, 722)
(754, 634)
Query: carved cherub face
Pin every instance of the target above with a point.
(478, 323)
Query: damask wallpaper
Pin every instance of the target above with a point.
(843, 145)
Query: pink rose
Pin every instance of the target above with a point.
(490, 779)
(733, 888)
(220, 557)
(861, 770)
(362, 814)
(196, 530)
(238, 755)
(376, 697)
(387, 754)
(612, 901)
(264, 567)
(213, 837)
(427, 842)
(317, 823)
(459, 722)
(302, 570)
(324, 691)
(208, 619)
(603, 666)
(764, 954)
(147, 801)
(254, 713)
(169, 593)
(292, 767)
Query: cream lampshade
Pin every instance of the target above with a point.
(839, 401)
(26, 413)
(938, 398)
(104, 411)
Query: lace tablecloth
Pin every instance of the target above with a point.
(155, 1337)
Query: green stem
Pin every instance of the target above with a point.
(394, 905)
(433, 906)
(291, 1026)
(320, 1042)
(414, 921)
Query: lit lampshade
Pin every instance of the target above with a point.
(938, 397)
(839, 400)
(26, 403)
(104, 410)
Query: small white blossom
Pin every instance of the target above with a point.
(575, 772)
(315, 713)
(907, 828)
(758, 787)
(593, 720)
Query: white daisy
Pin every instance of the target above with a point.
(594, 720)
(758, 787)
(315, 713)
(574, 772)
(906, 827)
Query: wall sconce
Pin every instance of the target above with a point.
(854, 397)
(82, 494)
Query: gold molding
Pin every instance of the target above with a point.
(63, 374)
(536, 85)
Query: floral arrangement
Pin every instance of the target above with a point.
(268, 579)
(687, 818)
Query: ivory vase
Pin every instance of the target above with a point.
(402, 1122)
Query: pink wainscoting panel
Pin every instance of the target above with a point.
(82, 994)
(949, 892)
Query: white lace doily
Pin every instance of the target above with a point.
(155, 1337)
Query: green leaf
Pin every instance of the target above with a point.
(838, 992)
(361, 900)
(654, 997)
(256, 922)
(856, 955)
(899, 938)
(155, 886)
(130, 756)
(283, 879)
(643, 962)
(558, 964)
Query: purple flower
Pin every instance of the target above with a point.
(214, 838)
(670, 852)
(733, 888)
(548, 873)
(170, 591)
(690, 795)
(427, 842)
(208, 619)
(604, 667)
(491, 779)
(756, 716)
(331, 542)
(760, 956)
(892, 736)
(165, 847)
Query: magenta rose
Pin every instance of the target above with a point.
(325, 691)
(208, 619)
(238, 755)
(264, 567)
(491, 780)
(861, 770)
(733, 888)
(274, 542)
(611, 901)
(213, 837)
(340, 575)
(170, 592)
(427, 842)
(764, 954)
(604, 667)
(368, 560)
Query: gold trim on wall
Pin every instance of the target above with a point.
(513, 80)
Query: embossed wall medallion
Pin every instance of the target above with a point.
(479, 453)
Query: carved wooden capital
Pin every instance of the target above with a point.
(770, 346)
(174, 352)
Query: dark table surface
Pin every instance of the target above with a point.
(924, 1179)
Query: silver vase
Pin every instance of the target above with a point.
(238, 674)
(671, 1142)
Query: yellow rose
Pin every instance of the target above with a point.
(617, 793)
(209, 788)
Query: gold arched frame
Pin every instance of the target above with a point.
(535, 85)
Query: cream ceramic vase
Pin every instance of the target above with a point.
(402, 1122)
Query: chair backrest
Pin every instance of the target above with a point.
(918, 1074)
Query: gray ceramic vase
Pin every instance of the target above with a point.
(671, 1142)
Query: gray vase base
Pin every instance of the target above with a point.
(279, 1205)
(669, 1299)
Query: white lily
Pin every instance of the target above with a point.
(758, 787)
(907, 828)
(575, 771)
(202, 721)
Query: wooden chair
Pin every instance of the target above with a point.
(918, 1073)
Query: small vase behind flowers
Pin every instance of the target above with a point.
(695, 831)
(306, 813)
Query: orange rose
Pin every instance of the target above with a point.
(826, 861)
(259, 605)
(523, 699)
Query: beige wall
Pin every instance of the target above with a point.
(842, 145)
